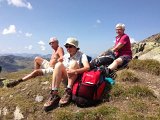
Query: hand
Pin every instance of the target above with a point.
(60, 59)
(70, 72)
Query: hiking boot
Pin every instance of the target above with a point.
(14, 83)
(52, 102)
(66, 99)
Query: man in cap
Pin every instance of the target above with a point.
(42, 66)
(121, 49)
(67, 71)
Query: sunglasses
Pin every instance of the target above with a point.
(69, 46)
(51, 43)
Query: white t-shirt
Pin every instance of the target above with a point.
(79, 55)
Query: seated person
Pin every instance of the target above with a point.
(68, 70)
(47, 66)
(121, 49)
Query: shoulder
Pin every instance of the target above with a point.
(84, 57)
(81, 54)
(125, 36)
(60, 48)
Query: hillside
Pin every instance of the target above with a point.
(11, 63)
(135, 95)
(148, 48)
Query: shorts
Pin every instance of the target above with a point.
(125, 60)
(46, 68)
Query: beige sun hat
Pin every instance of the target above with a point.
(52, 40)
(72, 41)
(120, 26)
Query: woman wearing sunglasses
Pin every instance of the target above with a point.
(67, 72)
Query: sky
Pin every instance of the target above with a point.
(27, 25)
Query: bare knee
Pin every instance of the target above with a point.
(118, 61)
(58, 65)
(38, 60)
(73, 65)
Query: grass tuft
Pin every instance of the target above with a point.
(118, 91)
(127, 75)
(150, 66)
(140, 91)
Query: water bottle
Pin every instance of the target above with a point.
(110, 80)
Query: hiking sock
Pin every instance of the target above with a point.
(69, 86)
(54, 89)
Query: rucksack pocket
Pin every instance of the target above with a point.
(82, 102)
(86, 90)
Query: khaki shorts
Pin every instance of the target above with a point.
(46, 68)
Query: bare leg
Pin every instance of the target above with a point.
(66, 98)
(73, 65)
(58, 74)
(115, 64)
(37, 62)
(34, 74)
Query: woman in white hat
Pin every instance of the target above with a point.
(68, 70)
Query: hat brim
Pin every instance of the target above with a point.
(71, 44)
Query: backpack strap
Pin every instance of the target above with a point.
(80, 61)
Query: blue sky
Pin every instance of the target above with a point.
(27, 25)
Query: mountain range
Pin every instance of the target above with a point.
(148, 48)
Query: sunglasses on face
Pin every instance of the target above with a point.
(51, 43)
(69, 46)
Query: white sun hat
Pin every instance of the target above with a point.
(72, 41)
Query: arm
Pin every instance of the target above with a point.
(85, 67)
(121, 43)
(79, 70)
(60, 53)
(117, 47)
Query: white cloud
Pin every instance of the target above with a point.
(43, 48)
(41, 43)
(28, 34)
(10, 30)
(20, 3)
(98, 21)
(132, 40)
(29, 47)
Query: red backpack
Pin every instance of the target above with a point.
(89, 90)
